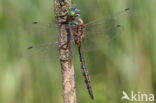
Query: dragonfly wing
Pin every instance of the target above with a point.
(45, 32)
(109, 32)
(91, 42)
(105, 29)
(112, 19)
(45, 25)
(107, 23)
(43, 50)
(41, 29)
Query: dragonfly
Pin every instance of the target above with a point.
(80, 31)
(78, 27)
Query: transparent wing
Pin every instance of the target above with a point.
(97, 42)
(99, 31)
(107, 23)
(107, 20)
(46, 36)
(42, 51)
(41, 29)
(94, 27)
(104, 30)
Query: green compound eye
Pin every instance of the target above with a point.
(71, 13)
(74, 11)
(77, 11)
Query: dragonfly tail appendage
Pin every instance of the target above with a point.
(85, 73)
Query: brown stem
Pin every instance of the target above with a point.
(68, 77)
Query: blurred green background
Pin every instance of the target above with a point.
(127, 63)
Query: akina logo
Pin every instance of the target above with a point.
(137, 97)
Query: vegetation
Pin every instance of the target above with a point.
(126, 63)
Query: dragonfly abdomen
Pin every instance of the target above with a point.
(86, 79)
(85, 73)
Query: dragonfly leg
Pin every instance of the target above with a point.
(63, 46)
(68, 54)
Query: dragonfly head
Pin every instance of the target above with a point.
(74, 12)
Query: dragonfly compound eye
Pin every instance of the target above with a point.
(77, 11)
(74, 12)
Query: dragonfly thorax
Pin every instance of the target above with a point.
(76, 21)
